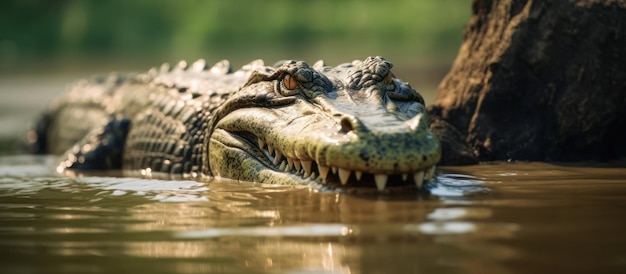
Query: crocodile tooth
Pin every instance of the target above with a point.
(404, 177)
(270, 149)
(429, 173)
(282, 165)
(297, 164)
(313, 176)
(381, 181)
(261, 143)
(344, 175)
(358, 175)
(289, 163)
(278, 157)
(419, 179)
(323, 172)
(334, 169)
(307, 167)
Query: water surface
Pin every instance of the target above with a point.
(489, 218)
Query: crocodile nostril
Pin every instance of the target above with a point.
(347, 124)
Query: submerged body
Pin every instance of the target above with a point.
(353, 126)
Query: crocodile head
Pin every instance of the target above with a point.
(353, 126)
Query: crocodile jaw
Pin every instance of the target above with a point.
(248, 163)
(310, 148)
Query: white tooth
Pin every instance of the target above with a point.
(297, 164)
(334, 169)
(419, 179)
(404, 177)
(278, 157)
(429, 174)
(261, 143)
(282, 165)
(307, 167)
(313, 176)
(344, 175)
(358, 175)
(381, 181)
(289, 163)
(270, 149)
(323, 172)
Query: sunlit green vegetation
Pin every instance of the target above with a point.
(61, 40)
(62, 32)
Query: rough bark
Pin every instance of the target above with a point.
(536, 80)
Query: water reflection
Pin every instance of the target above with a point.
(456, 185)
(491, 218)
(453, 213)
(226, 225)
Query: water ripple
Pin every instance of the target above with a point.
(456, 185)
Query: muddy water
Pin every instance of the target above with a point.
(490, 218)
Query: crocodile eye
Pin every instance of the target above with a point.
(289, 82)
(288, 86)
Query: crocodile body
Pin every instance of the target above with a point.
(353, 126)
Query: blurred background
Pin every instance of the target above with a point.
(46, 43)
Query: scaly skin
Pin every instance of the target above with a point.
(348, 127)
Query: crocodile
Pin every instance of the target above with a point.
(352, 126)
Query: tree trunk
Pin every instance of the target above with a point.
(536, 80)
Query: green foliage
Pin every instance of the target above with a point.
(30, 29)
